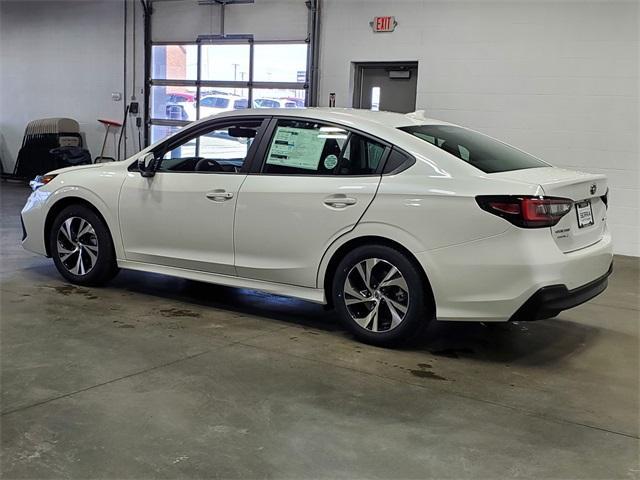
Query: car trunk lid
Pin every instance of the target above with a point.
(585, 224)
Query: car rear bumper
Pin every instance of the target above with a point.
(491, 279)
(549, 301)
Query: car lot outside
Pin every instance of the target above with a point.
(200, 380)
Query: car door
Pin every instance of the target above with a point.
(314, 184)
(183, 216)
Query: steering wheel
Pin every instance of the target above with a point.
(207, 165)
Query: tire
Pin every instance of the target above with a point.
(88, 259)
(402, 306)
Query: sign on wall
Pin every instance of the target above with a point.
(383, 24)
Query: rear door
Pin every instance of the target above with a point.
(313, 184)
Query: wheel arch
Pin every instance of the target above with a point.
(331, 266)
(63, 203)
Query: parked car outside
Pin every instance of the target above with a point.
(213, 104)
(180, 106)
(276, 103)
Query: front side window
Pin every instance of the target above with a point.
(481, 151)
(219, 150)
(311, 148)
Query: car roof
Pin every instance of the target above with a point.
(377, 123)
(347, 116)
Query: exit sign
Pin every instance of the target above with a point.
(383, 24)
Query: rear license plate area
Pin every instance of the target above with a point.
(584, 213)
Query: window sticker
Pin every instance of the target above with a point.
(330, 162)
(296, 147)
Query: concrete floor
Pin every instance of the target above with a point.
(160, 377)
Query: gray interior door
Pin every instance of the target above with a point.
(387, 88)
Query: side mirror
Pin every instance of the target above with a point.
(146, 165)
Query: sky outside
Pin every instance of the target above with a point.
(272, 63)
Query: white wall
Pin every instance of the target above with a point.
(184, 20)
(558, 79)
(63, 59)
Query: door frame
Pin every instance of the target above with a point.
(358, 75)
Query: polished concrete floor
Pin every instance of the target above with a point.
(157, 377)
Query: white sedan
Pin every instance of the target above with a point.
(392, 219)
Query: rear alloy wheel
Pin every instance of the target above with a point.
(376, 295)
(380, 295)
(81, 246)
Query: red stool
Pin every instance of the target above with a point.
(108, 124)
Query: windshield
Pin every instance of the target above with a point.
(484, 153)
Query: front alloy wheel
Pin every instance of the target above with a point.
(77, 245)
(81, 246)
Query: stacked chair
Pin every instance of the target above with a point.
(48, 144)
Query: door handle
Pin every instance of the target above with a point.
(219, 195)
(339, 201)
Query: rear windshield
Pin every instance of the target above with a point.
(482, 152)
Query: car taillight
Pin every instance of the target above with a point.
(526, 211)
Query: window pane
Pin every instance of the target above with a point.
(278, 98)
(173, 103)
(375, 99)
(216, 100)
(225, 62)
(174, 62)
(397, 160)
(158, 132)
(280, 62)
(479, 150)
(305, 148)
(222, 150)
(361, 156)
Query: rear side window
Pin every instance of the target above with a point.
(360, 156)
(311, 148)
(481, 151)
(397, 162)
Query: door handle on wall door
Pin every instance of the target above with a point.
(339, 201)
(219, 195)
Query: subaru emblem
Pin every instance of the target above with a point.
(593, 189)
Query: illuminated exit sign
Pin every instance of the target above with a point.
(383, 24)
